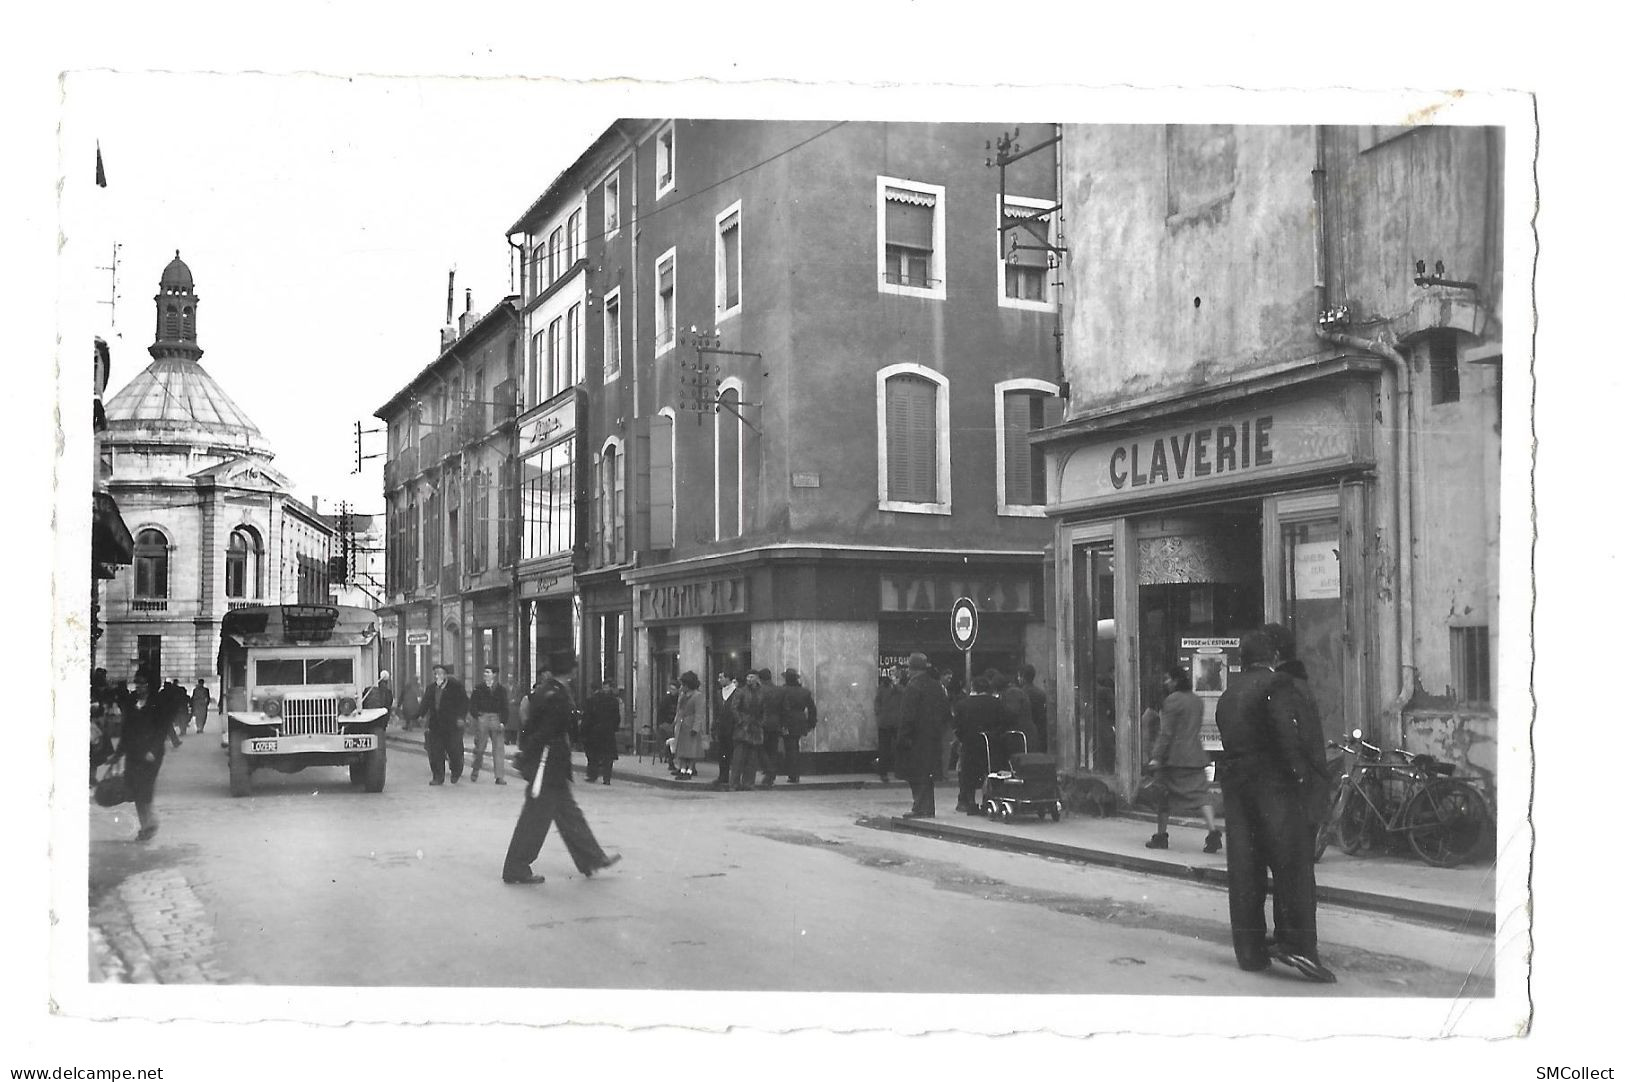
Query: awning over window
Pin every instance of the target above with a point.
(110, 540)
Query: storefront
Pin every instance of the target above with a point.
(836, 616)
(549, 451)
(1182, 525)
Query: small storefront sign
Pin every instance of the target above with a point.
(937, 593)
(555, 422)
(1315, 572)
(417, 637)
(693, 600)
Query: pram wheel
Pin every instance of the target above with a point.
(1004, 813)
(990, 809)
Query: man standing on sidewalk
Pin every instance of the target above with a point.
(772, 727)
(746, 705)
(489, 706)
(600, 723)
(925, 717)
(722, 728)
(800, 715)
(544, 760)
(1263, 775)
(445, 706)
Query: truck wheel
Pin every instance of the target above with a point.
(358, 772)
(372, 766)
(241, 783)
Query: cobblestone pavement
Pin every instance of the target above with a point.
(152, 929)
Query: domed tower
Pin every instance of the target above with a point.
(175, 401)
(176, 332)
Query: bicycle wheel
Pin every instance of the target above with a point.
(1355, 819)
(1445, 822)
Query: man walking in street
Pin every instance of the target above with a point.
(544, 760)
(601, 720)
(925, 717)
(722, 728)
(1264, 774)
(444, 710)
(489, 708)
(772, 727)
(800, 714)
(200, 705)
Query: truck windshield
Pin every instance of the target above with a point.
(304, 670)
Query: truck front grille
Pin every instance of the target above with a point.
(301, 717)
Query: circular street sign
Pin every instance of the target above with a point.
(963, 623)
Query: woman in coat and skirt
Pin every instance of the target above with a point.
(689, 729)
(147, 727)
(1180, 760)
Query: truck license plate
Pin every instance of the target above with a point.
(262, 745)
(358, 743)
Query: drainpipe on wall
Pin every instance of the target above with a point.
(1397, 516)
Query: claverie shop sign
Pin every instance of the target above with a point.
(1197, 452)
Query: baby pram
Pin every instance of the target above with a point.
(1018, 782)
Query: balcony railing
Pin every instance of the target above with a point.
(429, 451)
(474, 425)
(232, 606)
(402, 468)
(506, 396)
(149, 604)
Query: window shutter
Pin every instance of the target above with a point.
(1018, 474)
(911, 439)
(730, 261)
(620, 507)
(662, 515)
(909, 218)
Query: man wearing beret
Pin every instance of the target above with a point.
(800, 714)
(544, 760)
(925, 717)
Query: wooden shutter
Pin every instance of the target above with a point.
(911, 439)
(730, 262)
(662, 514)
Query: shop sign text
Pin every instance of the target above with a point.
(1199, 452)
(689, 600)
(931, 593)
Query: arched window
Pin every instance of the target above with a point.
(1022, 407)
(729, 491)
(912, 417)
(151, 564)
(188, 328)
(245, 564)
(172, 321)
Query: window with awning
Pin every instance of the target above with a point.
(911, 242)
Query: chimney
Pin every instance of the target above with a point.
(448, 333)
(469, 317)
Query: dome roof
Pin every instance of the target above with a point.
(176, 398)
(177, 276)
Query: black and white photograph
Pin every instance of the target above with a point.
(642, 554)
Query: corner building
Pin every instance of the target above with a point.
(1277, 416)
(802, 391)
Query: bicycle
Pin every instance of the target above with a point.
(1444, 819)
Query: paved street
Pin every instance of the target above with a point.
(311, 882)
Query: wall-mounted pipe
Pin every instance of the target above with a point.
(1397, 514)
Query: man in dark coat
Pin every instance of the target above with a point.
(601, 720)
(149, 721)
(1027, 677)
(201, 697)
(747, 711)
(925, 717)
(723, 720)
(380, 696)
(544, 760)
(772, 727)
(444, 710)
(1311, 734)
(1263, 774)
(488, 708)
(888, 710)
(800, 714)
(978, 719)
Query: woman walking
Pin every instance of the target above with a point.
(147, 726)
(1180, 760)
(689, 728)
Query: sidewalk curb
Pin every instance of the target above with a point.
(1456, 918)
(698, 785)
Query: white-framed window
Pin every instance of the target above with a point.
(665, 160)
(558, 358)
(572, 237)
(666, 301)
(1021, 407)
(612, 335)
(663, 479)
(911, 238)
(150, 564)
(538, 254)
(911, 414)
(612, 501)
(728, 460)
(1024, 273)
(729, 263)
(574, 361)
(537, 368)
(612, 205)
(245, 564)
(555, 254)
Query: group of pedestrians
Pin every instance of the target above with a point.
(757, 727)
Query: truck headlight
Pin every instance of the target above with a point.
(271, 708)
